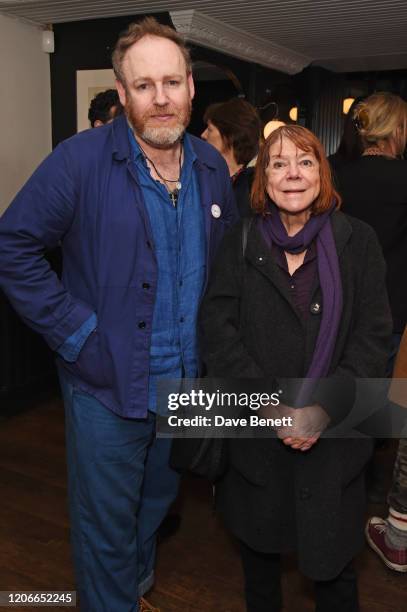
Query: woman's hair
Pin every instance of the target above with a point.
(305, 141)
(239, 125)
(148, 26)
(350, 146)
(382, 117)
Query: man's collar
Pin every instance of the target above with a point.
(121, 143)
(137, 152)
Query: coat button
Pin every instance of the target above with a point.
(305, 493)
(142, 324)
(261, 260)
(146, 285)
(316, 308)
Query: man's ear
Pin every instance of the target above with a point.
(191, 86)
(121, 90)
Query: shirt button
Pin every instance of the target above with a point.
(181, 319)
(181, 283)
(292, 286)
(146, 285)
(142, 324)
(148, 243)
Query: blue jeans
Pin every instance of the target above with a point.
(120, 487)
(397, 498)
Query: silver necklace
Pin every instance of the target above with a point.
(177, 181)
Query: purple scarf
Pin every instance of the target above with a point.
(319, 228)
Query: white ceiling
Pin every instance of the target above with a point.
(343, 35)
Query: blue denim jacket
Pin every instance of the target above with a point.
(87, 196)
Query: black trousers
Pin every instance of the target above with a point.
(262, 573)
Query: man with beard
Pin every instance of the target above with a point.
(140, 208)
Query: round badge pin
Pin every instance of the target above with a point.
(216, 211)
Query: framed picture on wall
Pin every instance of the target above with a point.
(88, 84)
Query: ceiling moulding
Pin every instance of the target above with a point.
(208, 32)
(25, 20)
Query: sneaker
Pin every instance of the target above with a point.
(145, 606)
(375, 533)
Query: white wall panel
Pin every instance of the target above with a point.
(25, 117)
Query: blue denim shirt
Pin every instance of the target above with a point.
(179, 244)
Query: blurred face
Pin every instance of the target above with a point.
(293, 181)
(214, 137)
(112, 115)
(158, 92)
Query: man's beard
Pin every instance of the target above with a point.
(162, 137)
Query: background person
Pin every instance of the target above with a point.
(104, 107)
(388, 537)
(133, 205)
(308, 300)
(374, 188)
(350, 146)
(234, 129)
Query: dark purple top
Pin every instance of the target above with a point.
(301, 284)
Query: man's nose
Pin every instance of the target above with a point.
(204, 134)
(160, 97)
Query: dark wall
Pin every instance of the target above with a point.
(87, 45)
(27, 367)
(206, 93)
(367, 83)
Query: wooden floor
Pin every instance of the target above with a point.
(198, 569)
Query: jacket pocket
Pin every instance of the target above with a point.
(89, 367)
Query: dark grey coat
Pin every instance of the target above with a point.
(272, 497)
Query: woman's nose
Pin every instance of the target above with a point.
(293, 170)
(204, 134)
